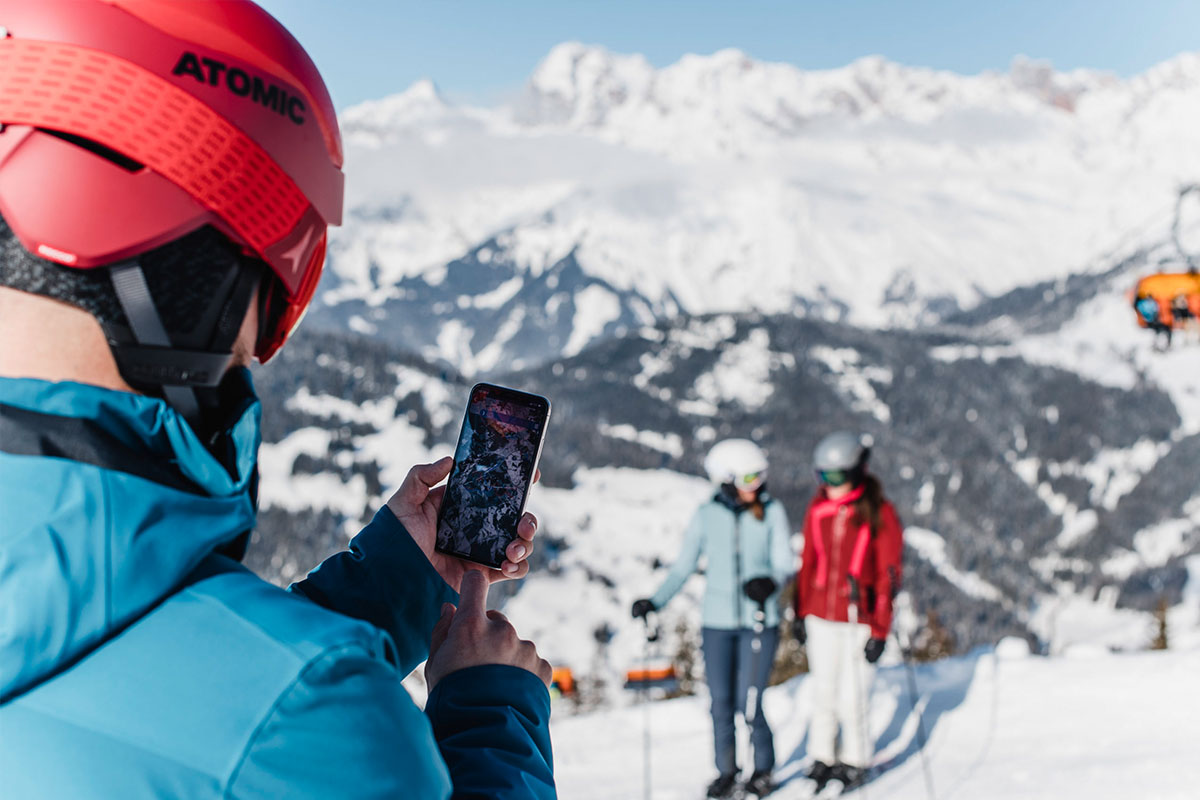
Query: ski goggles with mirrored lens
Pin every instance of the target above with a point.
(833, 477)
(752, 479)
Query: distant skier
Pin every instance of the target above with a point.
(849, 575)
(1151, 312)
(744, 535)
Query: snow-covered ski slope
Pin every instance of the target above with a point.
(1000, 724)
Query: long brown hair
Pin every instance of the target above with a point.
(870, 503)
(757, 508)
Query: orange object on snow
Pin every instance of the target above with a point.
(564, 680)
(650, 676)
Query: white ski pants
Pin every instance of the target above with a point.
(841, 680)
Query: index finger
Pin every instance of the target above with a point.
(473, 594)
(441, 629)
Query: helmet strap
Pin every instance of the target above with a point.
(185, 378)
(144, 361)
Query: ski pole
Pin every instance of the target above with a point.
(859, 689)
(651, 636)
(760, 619)
(922, 740)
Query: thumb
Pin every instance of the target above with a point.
(422, 478)
(473, 595)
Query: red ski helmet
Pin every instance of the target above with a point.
(190, 114)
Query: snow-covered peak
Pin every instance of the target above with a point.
(731, 103)
(1180, 72)
(420, 101)
(419, 110)
(1060, 90)
(577, 85)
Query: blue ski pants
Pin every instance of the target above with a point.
(736, 671)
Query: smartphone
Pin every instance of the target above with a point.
(494, 465)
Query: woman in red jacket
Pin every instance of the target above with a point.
(849, 575)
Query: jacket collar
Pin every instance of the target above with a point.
(733, 503)
(849, 497)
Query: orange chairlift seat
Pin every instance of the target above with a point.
(1165, 288)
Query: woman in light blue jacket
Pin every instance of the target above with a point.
(744, 536)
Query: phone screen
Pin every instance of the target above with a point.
(494, 465)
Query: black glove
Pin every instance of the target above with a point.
(759, 589)
(874, 649)
(643, 607)
(799, 633)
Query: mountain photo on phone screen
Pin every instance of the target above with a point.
(493, 469)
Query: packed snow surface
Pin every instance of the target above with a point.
(1000, 724)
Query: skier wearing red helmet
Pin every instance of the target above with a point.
(168, 173)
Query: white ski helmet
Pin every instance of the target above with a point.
(739, 462)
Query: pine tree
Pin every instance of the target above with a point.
(685, 660)
(1160, 617)
(934, 641)
(791, 659)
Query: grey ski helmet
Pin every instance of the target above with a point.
(840, 455)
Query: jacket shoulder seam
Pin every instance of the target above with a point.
(271, 712)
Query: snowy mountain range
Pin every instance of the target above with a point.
(611, 194)
(729, 248)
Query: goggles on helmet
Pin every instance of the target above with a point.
(280, 311)
(749, 481)
(833, 477)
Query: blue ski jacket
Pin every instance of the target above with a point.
(737, 547)
(137, 662)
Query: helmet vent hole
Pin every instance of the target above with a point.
(124, 162)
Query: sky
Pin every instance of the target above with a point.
(480, 52)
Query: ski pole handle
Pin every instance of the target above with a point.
(852, 606)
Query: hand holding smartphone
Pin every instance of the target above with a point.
(494, 464)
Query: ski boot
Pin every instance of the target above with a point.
(725, 785)
(851, 777)
(760, 783)
(820, 773)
